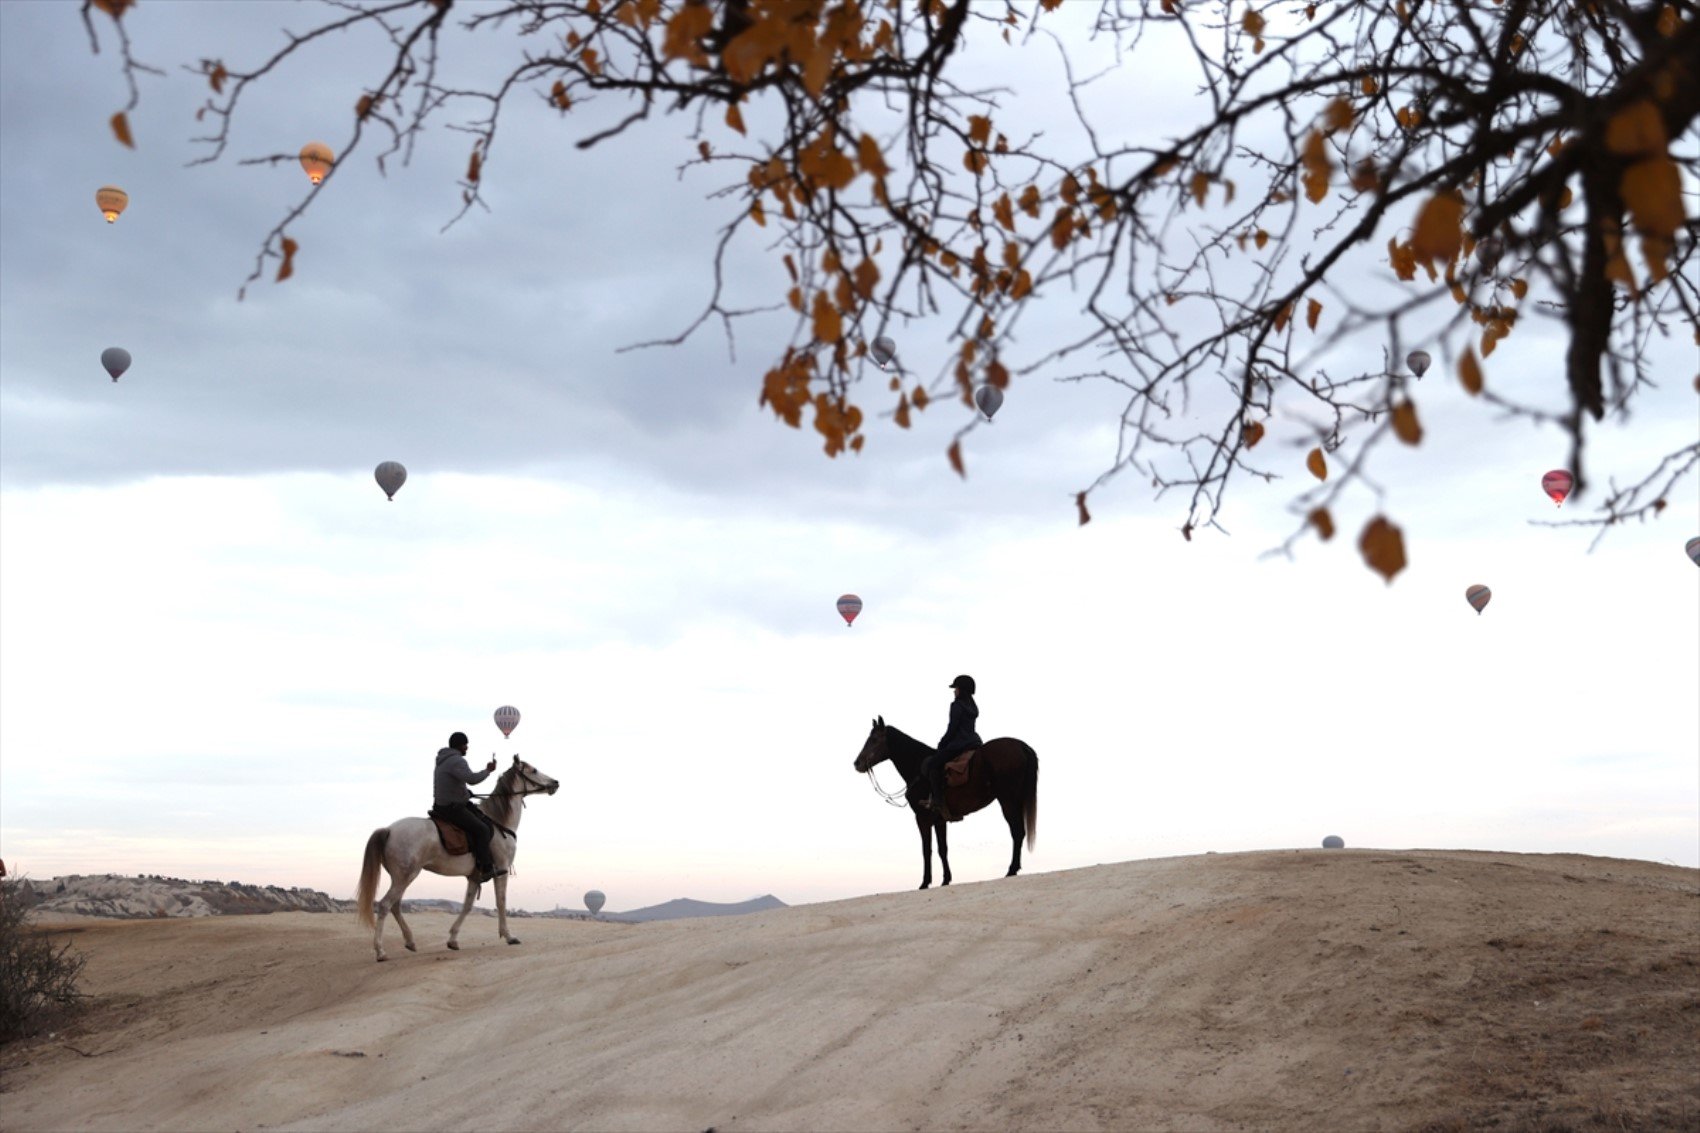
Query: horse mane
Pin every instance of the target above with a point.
(907, 744)
(502, 790)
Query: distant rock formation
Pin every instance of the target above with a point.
(140, 897)
(685, 907)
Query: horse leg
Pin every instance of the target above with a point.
(1012, 814)
(391, 903)
(944, 853)
(465, 908)
(924, 823)
(502, 910)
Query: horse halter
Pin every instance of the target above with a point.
(529, 781)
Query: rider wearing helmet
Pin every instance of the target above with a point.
(454, 802)
(958, 738)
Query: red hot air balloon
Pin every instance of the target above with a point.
(848, 607)
(1478, 597)
(1557, 485)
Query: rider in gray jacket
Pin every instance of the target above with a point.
(454, 801)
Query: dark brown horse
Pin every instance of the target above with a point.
(1004, 769)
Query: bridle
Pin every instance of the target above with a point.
(508, 793)
(892, 798)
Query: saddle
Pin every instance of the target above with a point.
(451, 836)
(956, 771)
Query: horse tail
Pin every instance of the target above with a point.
(368, 888)
(1032, 808)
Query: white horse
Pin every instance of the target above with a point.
(409, 845)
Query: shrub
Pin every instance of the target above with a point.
(38, 982)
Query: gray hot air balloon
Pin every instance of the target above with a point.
(988, 398)
(1418, 361)
(882, 350)
(594, 901)
(391, 476)
(1334, 842)
(116, 360)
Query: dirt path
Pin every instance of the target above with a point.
(1359, 989)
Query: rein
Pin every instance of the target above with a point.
(503, 793)
(893, 798)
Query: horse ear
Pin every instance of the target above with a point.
(881, 721)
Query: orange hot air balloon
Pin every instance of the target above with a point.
(317, 159)
(1557, 485)
(112, 201)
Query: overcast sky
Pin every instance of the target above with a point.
(224, 655)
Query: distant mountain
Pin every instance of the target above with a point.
(681, 907)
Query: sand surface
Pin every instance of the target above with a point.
(1314, 990)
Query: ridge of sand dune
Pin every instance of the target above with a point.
(1355, 990)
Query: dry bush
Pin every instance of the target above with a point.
(38, 982)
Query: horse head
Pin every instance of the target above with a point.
(873, 751)
(521, 778)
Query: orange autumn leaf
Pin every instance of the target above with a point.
(735, 118)
(1652, 192)
(868, 153)
(1323, 522)
(828, 327)
(1261, 238)
(955, 455)
(121, 130)
(1638, 130)
(902, 415)
(1383, 548)
(684, 33)
(1313, 311)
(1253, 434)
(287, 268)
(1317, 465)
(1319, 167)
(1405, 424)
(1470, 372)
(1199, 185)
(1439, 227)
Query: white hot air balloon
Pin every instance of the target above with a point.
(507, 719)
(594, 900)
(116, 360)
(988, 398)
(1418, 361)
(390, 476)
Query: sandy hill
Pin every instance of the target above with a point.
(1303, 990)
(681, 907)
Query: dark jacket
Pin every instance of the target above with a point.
(453, 774)
(961, 736)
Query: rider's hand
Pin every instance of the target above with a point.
(491, 766)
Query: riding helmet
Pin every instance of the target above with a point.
(965, 683)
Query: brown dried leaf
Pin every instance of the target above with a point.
(1317, 465)
(114, 8)
(1638, 130)
(1405, 424)
(1339, 115)
(902, 415)
(1519, 287)
(979, 129)
(1313, 311)
(473, 167)
(1368, 86)
(1253, 433)
(1319, 167)
(1004, 212)
(918, 396)
(1199, 185)
(121, 130)
(1062, 229)
(868, 153)
(974, 161)
(1470, 372)
(1323, 522)
(684, 33)
(735, 118)
(955, 455)
(758, 214)
(287, 268)
(1261, 238)
(1439, 228)
(1383, 547)
(828, 327)
(1080, 503)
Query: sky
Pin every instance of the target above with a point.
(223, 653)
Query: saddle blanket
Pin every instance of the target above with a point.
(956, 771)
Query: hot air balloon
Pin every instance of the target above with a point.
(1479, 597)
(1334, 842)
(116, 360)
(391, 476)
(1557, 485)
(112, 201)
(594, 900)
(882, 350)
(1418, 361)
(1489, 251)
(507, 719)
(988, 398)
(1693, 549)
(848, 607)
(317, 159)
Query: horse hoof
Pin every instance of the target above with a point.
(454, 946)
(411, 947)
(513, 940)
(382, 957)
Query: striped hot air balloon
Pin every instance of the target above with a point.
(507, 719)
(1693, 549)
(1557, 485)
(848, 607)
(112, 201)
(988, 398)
(1479, 597)
(882, 350)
